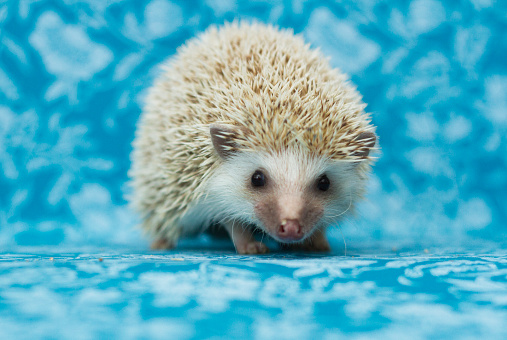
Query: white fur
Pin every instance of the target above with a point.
(227, 196)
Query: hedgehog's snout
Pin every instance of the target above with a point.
(288, 218)
(290, 230)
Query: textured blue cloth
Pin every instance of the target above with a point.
(73, 77)
(283, 296)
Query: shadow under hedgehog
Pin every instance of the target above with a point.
(250, 128)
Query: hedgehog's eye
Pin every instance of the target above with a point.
(258, 179)
(323, 183)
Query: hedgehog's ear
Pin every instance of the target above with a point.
(366, 141)
(224, 138)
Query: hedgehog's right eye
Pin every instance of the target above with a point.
(323, 183)
(258, 179)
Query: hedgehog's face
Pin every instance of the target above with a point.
(289, 194)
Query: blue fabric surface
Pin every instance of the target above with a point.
(73, 77)
(196, 294)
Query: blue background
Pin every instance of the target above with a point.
(73, 77)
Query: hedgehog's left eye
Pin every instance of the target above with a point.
(258, 179)
(323, 183)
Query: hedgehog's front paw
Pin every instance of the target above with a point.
(252, 248)
(243, 240)
(315, 247)
(316, 243)
(162, 244)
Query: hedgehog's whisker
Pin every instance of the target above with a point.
(343, 238)
(333, 217)
(232, 234)
(343, 212)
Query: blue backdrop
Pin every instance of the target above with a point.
(73, 76)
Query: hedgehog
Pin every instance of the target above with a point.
(250, 129)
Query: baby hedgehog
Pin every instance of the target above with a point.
(248, 128)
